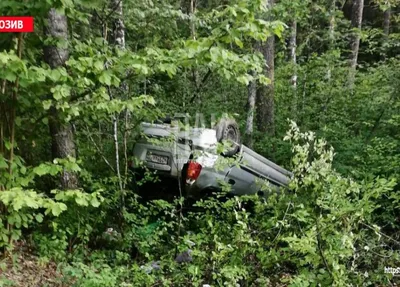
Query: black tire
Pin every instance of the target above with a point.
(228, 130)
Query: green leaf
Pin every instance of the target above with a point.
(81, 201)
(7, 144)
(46, 104)
(4, 237)
(3, 163)
(55, 75)
(58, 208)
(245, 79)
(99, 65)
(30, 202)
(18, 203)
(14, 235)
(105, 78)
(45, 121)
(73, 166)
(239, 43)
(95, 202)
(264, 80)
(60, 92)
(41, 170)
(10, 76)
(39, 217)
(214, 53)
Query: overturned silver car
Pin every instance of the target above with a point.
(202, 160)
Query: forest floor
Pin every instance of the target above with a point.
(24, 269)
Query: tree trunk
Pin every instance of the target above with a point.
(332, 10)
(386, 31)
(61, 133)
(293, 80)
(195, 72)
(251, 100)
(57, 28)
(119, 27)
(192, 23)
(386, 22)
(119, 40)
(265, 94)
(356, 20)
(63, 146)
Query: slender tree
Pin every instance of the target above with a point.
(356, 21)
(332, 21)
(386, 22)
(331, 46)
(386, 28)
(195, 72)
(251, 100)
(332, 24)
(62, 136)
(119, 40)
(293, 59)
(119, 27)
(265, 94)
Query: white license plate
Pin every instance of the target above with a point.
(157, 158)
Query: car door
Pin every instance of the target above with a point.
(241, 181)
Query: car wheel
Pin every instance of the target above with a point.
(228, 130)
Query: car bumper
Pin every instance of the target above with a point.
(208, 182)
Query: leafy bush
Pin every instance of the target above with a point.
(319, 232)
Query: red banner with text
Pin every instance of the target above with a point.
(20, 24)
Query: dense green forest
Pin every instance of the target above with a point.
(314, 86)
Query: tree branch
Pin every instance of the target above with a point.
(198, 89)
(98, 149)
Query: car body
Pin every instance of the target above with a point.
(190, 157)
